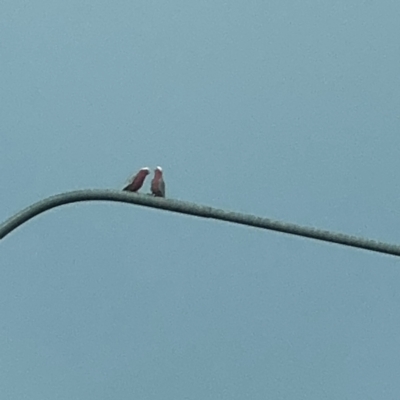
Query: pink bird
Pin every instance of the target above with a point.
(158, 184)
(136, 182)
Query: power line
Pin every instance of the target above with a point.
(183, 207)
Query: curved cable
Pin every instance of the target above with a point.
(183, 207)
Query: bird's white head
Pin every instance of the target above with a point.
(146, 169)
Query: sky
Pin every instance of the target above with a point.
(283, 109)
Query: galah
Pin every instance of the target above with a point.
(158, 184)
(137, 181)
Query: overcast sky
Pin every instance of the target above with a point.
(284, 109)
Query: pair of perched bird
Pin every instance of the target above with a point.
(157, 184)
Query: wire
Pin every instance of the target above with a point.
(183, 207)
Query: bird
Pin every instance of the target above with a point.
(158, 184)
(136, 182)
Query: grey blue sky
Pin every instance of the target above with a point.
(281, 108)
